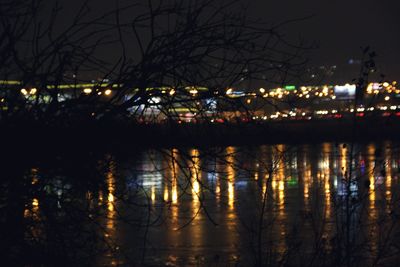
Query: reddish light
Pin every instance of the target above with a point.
(397, 113)
(360, 114)
(386, 114)
(338, 116)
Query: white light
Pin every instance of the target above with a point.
(107, 92)
(23, 91)
(33, 91)
(87, 91)
(274, 116)
(155, 100)
(387, 98)
(262, 90)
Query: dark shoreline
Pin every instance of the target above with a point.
(117, 137)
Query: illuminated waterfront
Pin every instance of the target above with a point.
(288, 102)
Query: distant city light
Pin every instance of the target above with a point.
(87, 91)
(193, 91)
(23, 91)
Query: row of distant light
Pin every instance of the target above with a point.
(322, 112)
(87, 91)
(361, 109)
(171, 91)
(305, 91)
(373, 88)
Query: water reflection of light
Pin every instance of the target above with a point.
(264, 186)
(343, 157)
(388, 178)
(273, 184)
(110, 179)
(281, 194)
(231, 194)
(174, 193)
(166, 194)
(371, 176)
(174, 176)
(153, 194)
(326, 149)
(307, 183)
(230, 170)
(100, 198)
(195, 178)
(196, 231)
(218, 189)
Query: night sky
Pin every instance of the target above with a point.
(339, 27)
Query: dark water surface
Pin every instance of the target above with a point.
(306, 205)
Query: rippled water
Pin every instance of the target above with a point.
(314, 205)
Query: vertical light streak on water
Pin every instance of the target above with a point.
(326, 175)
(217, 189)
(230, 172)
(32, 211)
(153, 194)
(306, 167)
(195, 177)
(388, 178)
(196, 234)
(343, 162)
(371, 176)
(231, 218)
(280, 198)
(166, 193)
(111, 213)
(373, 231)
(174, 169)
